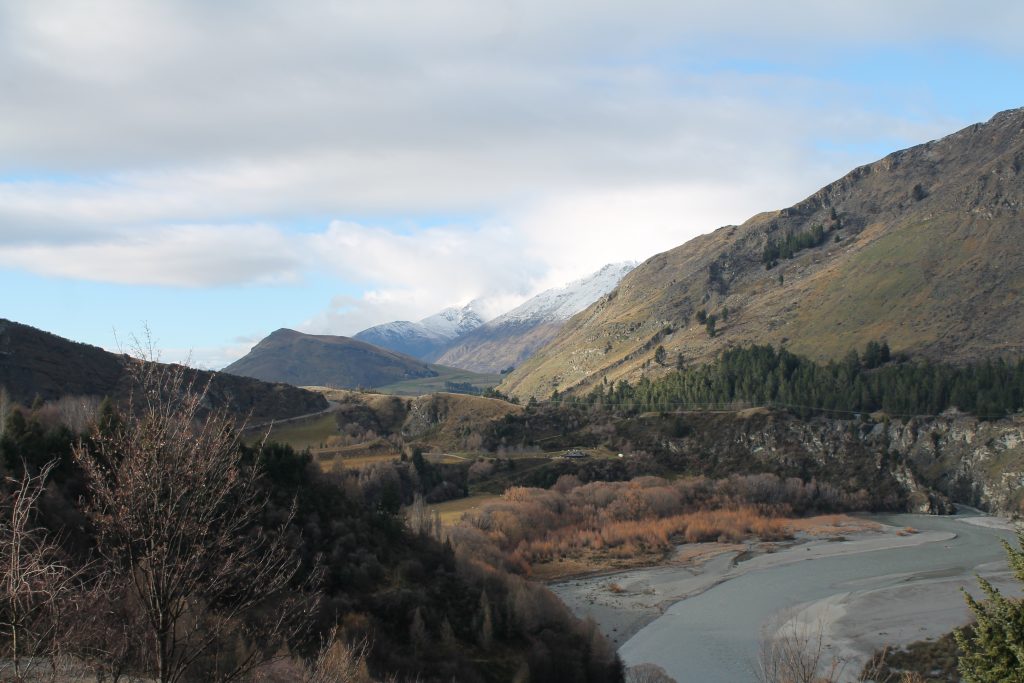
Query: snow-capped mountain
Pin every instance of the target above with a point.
(562, 303)
(454, 322)
(426, 339)
(513, 337)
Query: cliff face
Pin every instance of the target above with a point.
(922, 465)
(972, 462)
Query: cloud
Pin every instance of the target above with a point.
(184, 256)
(411, 275)
(129, 85)
(178, 143)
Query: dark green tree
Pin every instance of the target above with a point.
(993, 650)
(710, 323)
(659, 355)
(872, 355)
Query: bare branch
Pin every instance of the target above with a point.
(36, 580)
(177, 515)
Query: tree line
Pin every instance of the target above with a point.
(859, 383)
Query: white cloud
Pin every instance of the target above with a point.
(409, 276)
(173, 143)
(185, 256)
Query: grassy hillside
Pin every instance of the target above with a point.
(419, 386)
(307, 359)
(920, 248)
(492, 349)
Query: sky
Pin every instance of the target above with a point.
(213, 171)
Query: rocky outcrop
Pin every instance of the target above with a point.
(979, 463)
(924, 465)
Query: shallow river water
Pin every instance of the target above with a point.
(860, 599)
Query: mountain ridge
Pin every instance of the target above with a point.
(514, 336)
(920, 247)
(426, 339)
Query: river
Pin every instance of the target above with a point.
(860, 594)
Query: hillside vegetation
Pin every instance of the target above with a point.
(266, 569)
(366, 427)
(921, 248)
(762, 376)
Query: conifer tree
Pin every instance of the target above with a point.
(659, 355)
(994, 649)
(486, 633)
(418, 632)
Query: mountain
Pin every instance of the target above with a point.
(37, 363)
(324, 360)
(426, 339)
(454, 322)
(921, 248)
(513, 337)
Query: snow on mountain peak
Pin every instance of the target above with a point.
(561, 303)
(453, 322)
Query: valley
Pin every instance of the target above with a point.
(786, 431)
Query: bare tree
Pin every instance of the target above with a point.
(796, 654)
(106, 632)
(648, 673)
(35, 583)
(339, 663)
(176, 513)
(77, 413)
(418, 517)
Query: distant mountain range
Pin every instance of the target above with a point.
(395, 352)
(427, 339)
(34, 363)
(513, 337)
(459, 337)
(921, 248)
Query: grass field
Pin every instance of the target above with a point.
(452, 510)
(430, 385)
(301, 434)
